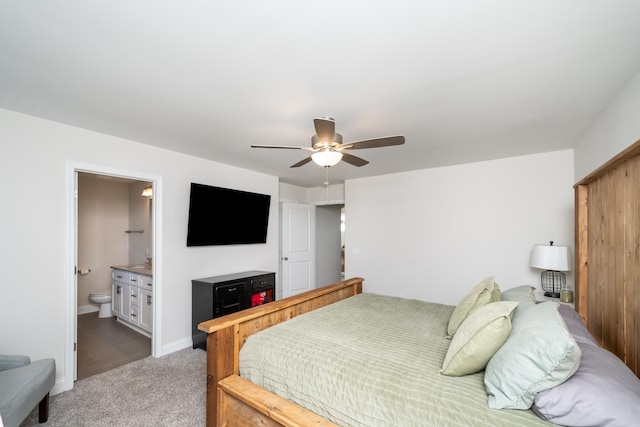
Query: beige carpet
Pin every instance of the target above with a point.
(167, 391)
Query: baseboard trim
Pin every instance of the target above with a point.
(85, 309)
(176, 346)
(59, 386)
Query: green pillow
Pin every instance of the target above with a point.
(480, 335)
(539, 354)
(483, 293)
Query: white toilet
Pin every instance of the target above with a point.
(104, 299)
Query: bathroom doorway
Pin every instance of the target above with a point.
(114, 229)
(86, 271)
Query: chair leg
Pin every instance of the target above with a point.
(43, 409)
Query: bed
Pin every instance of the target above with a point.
(395, 373)
(372, 360)
(593, 387)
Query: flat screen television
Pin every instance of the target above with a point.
(222, 216)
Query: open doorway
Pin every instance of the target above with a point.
(329, 244)
(115, 225)
(76, 299)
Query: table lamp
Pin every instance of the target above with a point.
(553, 260)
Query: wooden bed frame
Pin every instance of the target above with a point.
(607, 232)
(233, 401)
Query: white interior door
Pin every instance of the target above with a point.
(298, 248)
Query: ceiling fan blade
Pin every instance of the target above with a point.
(386, 141)
(301, 163)
(353, 160)
(325, 129)
(286, 147)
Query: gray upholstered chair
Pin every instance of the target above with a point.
(23, 385)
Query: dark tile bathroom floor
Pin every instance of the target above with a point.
(105, 344)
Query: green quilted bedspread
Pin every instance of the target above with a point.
(372, 360)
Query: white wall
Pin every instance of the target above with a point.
(320, 196)
(617, 128)
(33, 166)
(312, 196)
(432, 234)
(292, 193)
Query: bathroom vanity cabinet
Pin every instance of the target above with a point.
(132, 299)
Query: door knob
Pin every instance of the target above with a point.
(286, 258)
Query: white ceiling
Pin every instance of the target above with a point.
(463, 81)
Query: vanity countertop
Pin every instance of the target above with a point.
(137, 269)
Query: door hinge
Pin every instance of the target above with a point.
(75, 346)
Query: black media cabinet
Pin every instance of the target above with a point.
(216, 296)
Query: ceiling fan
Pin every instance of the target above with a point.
(328, 149)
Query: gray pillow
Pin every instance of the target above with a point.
(520, 293)
(602, 392)
(539, 354)
(525, 295)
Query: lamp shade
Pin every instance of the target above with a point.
(549, 257)
(326, 158)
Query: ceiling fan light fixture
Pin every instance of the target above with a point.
(326, 158)
(328, 148)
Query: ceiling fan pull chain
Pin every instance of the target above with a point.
(326, 183)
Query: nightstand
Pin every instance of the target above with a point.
(540, 298)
